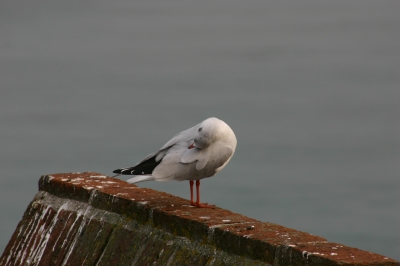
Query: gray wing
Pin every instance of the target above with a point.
(181, 136)
(181, 163)
(210, 158)
(186, 135)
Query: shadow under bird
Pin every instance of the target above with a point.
(196, 153)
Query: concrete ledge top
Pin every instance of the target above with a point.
(227, 231)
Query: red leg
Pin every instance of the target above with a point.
(191, 192)
(198, 204)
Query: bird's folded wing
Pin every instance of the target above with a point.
(215, 156)
(181, 136)
(147, 157)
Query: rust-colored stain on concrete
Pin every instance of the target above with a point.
(87, 218)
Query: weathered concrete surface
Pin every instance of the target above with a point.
(92, 219)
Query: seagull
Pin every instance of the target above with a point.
(193, 154)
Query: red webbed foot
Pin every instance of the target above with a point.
(202, 205)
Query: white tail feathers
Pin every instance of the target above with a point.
(140, 178)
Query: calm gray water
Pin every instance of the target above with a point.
(311, 89)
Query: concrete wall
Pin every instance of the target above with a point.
(92, 219)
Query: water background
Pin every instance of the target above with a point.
(311, 89)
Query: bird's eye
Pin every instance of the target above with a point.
(200, 129)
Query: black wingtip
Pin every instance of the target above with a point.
(143, 168)
(118, 171)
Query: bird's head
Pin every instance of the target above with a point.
(209, 131)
